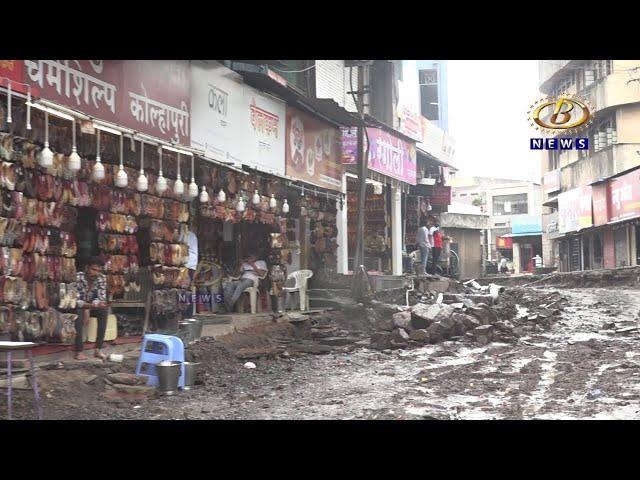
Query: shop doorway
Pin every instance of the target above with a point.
(637, 244)
(87, 236)
(621, 247)
(598, 251)
(586, 254)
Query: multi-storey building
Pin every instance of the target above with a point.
(592, 197)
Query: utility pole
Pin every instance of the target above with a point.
(363, 164)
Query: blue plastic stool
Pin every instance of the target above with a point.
(155, 349)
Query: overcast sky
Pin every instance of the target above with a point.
(488, 104)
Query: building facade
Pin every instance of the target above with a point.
(513, 209)
(591, 197)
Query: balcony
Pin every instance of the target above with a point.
(611, 91)
(547, 69)
(606, 162)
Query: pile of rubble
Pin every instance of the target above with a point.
(482, 315)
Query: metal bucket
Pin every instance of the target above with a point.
(192, 327)
(190, 371)
(168, 376)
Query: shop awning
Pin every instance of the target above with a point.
(326, 108)
(435, 160)
(528, 234)
(552, 202)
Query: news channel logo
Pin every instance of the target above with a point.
(564, 115)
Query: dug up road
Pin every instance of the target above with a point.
(587, 366)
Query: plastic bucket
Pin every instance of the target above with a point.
(168, 376)
(190, 371)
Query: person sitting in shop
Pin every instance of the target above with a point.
(252, 270)
(91, 286)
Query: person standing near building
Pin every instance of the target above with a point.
(423, 243)
(436, 235)
(92, 302)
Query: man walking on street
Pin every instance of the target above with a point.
(422, 240)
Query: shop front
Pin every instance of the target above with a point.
(392, 165)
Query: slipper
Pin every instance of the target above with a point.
(100, 355)
(80, 356)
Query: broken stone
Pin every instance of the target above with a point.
(483, 313)
(469, 322)
(438, 332)
(338, 341)
(483, 334)
(458, 305)
(421, 335)
(608, 326)
(385, 324)
(127, 379)
(400, 335)
(381, 340)
(460, 321)
(90, 378)
(402, 320)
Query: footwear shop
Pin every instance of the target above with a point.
(99, 159)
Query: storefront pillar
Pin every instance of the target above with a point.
(396, 230)
(516, 258)
(343, 230)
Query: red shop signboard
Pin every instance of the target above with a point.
(600, 204)
(624, 196)
(440, 195)
(148, 96)
(504, 242)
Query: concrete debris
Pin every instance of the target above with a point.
(250, 365)
(402, 320)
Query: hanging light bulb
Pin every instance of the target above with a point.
(193, 187)
(256, 198)
(143, 183)
(46, 156)
(29, 109)
(272, 202)
(74, 159)
(9, 119)
(285, 207)
(240, 207)
(178, 187)
(122, 179)
(98, 168)
(222, 197)
(161, 182)
(204, 196)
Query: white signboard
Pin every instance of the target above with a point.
(234, 122)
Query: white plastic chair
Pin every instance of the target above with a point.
(301, 277)
(253, 291)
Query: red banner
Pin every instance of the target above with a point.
(440, 195)
(624, 196)
(600, 204)
(151, 97)
(13, 70)
(504, 242)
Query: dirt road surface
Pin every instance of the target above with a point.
(586, 367)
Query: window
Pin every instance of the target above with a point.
(516, 204)
(603, 133)
(554, 159)
(429, 94)
(298, 74)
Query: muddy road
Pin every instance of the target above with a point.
(583, 368)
